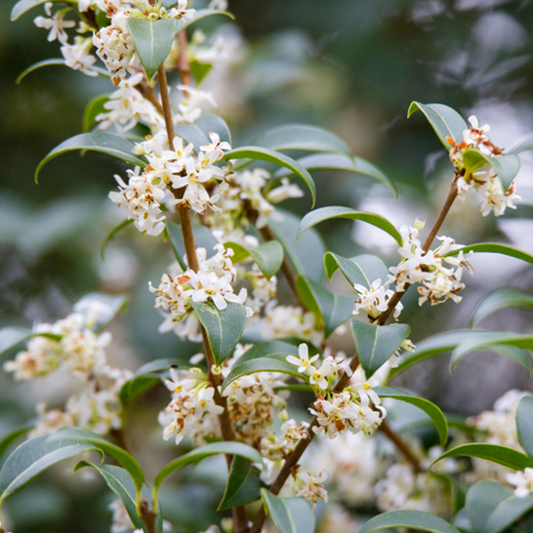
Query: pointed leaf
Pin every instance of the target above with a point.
(375, 344)
(223, 328)
(97, 141)
(341, 162)
(264, 154)
(214, 124)
(506, 513)
(331, 310)
(506, 166)
(56, 61)
(436, 415)
(290, 515)
(526, 143)
(328, 213)
(495, 453)
(268, 256)
(524, 425)
(244, 485)
(23, 6)
(417, 520)
(92, 110)
(11, 337)
(362, 269)
(7, 440)
(499, 299)
(112, 233)
(482, 499)
(443, 119)
(494, 248)
(201, 14)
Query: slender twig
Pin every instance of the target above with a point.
(148, 517)
(149, 94)
(401, 444)
(183, 62)
(123, 440)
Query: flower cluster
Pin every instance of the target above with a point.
(374, 300)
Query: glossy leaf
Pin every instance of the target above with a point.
(97, 141)
(524, 424)
(153, 40)
(290, 515)
(302, 137)
(264, 154)
(436, 415)
(272, 349)
(12, 337)
(495, 453)
(331, 310)
(7, 440)
(341, 162)
(244, 485)
(328, 213)
(417, 520)
(24, 6)
(197, 133)
(444, 120)
(499, 299)
(362, 269)
(32, 458)
(56, 61)
(506, 166)
(494, 248)
(268, 256)
(92, 110)
(482, 500)
(223, 328)
(112, 233)
(375, 344)
(302, 253)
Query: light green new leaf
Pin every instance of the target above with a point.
(495, 453)
(375, 344)
(436, 415)
(153, 40)
(23, 6)
(494, 248)
(362, 269)
(57, 61)
(112, 233)
(524, 424)
(327, 213)
(243, 486)
(97, 141)
(290, 515)
(92, 110)
(330, 309)
(302, 137)
(208, 450)
(7, 440)
(506, 166)
(11, 337)
(265, 154)
(223, 328)
(200, 70)
(499, 299)
(443, 119)
(341, 162)
(33, 457)
(417, 520)
(268, 256)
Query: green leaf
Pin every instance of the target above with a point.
(208, 450)
(302, 137)
(482, 500)
(524, 425)
(111, 306)
(417, 520)
(97, 141)
(244, 485)
(526, 143)
(272, 349)
(153, 40)
(495, 453)
(223, 328)
(56, 61)
(290, 515)
(92, 110)
(444, 120)
(268, 256)
(362, 269)
(198, 132)
(499, 299)
(375, 344)
(331, 212)
(200, 14)
(82, 437)
(436, 415)
(11, 337)
(302, 253)
(23, 6)
(203, 238)
(200, 70)
(7, 440)
(33, 457)
(330, 309)
(112, 233)
(506, 166)
(264, 154)
(493, 248)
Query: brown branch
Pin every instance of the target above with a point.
(148, 517)
(149, 94)
(183, 63)
(124, 441)
(402, 445)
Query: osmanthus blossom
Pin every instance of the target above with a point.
(374, 301)
(56, 24)
(77, 56)
(310, 487)
(522, 481)
(190, 106)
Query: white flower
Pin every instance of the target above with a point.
(190, 106)
(312, 487)
(373, 300)
(303, 362)
(320, 376)
(523, 481)
(285, 191)
(78, 57)
(55, 24)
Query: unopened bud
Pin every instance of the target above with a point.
(283, 415)
(226, 524)
(408, 345)
(419, 224)
(216, 370)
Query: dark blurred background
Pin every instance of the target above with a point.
(352, 66)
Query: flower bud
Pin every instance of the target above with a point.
(419, 224)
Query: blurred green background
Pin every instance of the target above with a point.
(352, 66)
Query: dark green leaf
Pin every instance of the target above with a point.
(7, 440)
(112, 233)
(290, 515)
(341, 162)
(11, 337)
(57, 61)
(482, 500)
(264, 154)
(524, 424)
(499, 299)
(223, 328)
(331, 310)
(92, 110)
(268, 256)
(375, 344)
(444, 120)
(23, 6)
(494, 248)
(362, 269)
(417, 520)
(506, 166)
(244, 485)
(328, 213)
(97, 141)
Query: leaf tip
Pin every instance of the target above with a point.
(413, 108)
